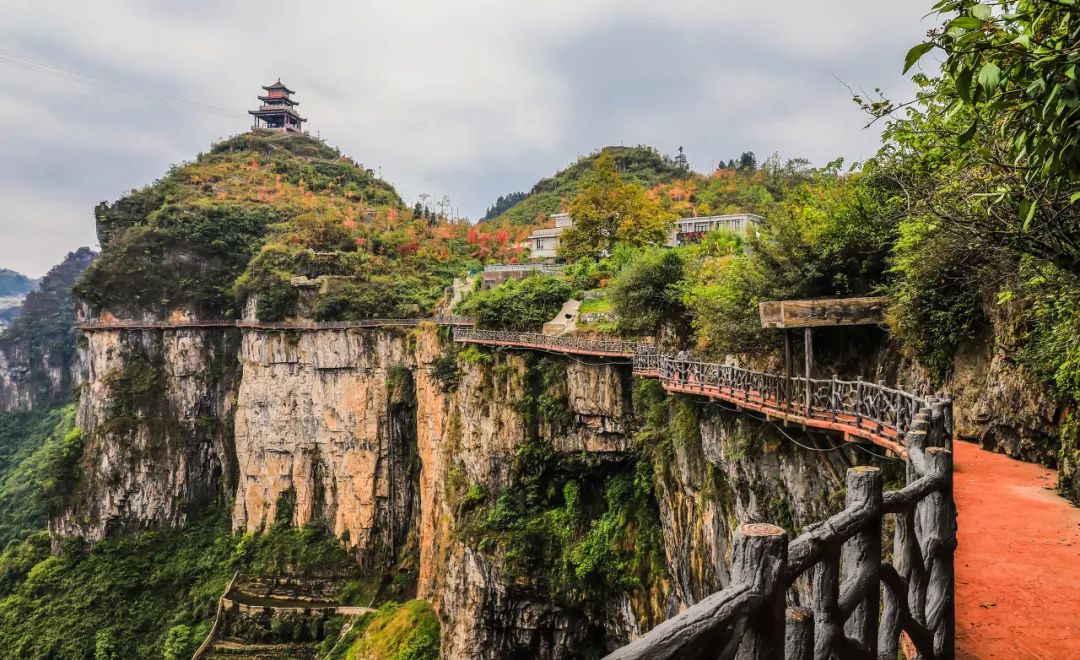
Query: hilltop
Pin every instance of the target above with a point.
(642, 164)
(253, 216)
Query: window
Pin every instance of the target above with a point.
(701, 226)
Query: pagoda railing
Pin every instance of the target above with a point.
(863, 603)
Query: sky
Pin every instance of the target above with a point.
(442, 97)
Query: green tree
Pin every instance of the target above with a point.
(1004, 116)
(608, 211)
(514, 305)
(646, 292)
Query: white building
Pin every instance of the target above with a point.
(544, 243)
(691, 230)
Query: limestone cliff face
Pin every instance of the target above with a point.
(326, 424)
(730, 470)
(375, 432)
(723, 469)
(155, 412)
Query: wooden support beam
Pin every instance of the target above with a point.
(822, 312)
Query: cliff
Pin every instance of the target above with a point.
(544, 505)
(37, 351)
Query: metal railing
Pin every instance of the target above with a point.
(514, 268)
(861, 604)
(862, 408)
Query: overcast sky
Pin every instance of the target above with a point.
(467, 99)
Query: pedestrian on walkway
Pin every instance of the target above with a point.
(681, 357)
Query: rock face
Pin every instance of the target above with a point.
(385, 435)
(38, 357)
(326, 421)
(155, 414)
(1001, 406)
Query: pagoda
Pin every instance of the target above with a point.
(277, 110)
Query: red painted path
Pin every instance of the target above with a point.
(1017, 560)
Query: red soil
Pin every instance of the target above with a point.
(1017, 562)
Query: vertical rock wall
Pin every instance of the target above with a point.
(327, 419)
(155, 414)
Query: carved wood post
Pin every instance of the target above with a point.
(941, 531)
(760, 558)
(862, 555)
(826, 593)
(799, 641)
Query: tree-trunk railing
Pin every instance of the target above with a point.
(862, 604)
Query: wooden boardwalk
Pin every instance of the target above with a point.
(855, 409)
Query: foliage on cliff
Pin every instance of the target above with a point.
(523, 305)
(257, 211)
(38, 451)
(407, 631)
(42, 339)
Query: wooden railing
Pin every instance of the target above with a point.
(862, 604)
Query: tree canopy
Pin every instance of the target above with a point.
(609, 210)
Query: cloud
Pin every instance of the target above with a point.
(470, 99)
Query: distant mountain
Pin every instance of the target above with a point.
(641, 164)
(38, 349)
(15, 284)
(13, 288)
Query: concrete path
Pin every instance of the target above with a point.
(565, 321)
(1017, 562)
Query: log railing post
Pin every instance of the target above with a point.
(826, 594)
(940, 531)
(862, 555)
(760, 558)
(799, 636)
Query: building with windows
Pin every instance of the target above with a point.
(692, 230)
(544, 243)
(277, 110)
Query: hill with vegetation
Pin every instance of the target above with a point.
(642, 164)
(254, 214)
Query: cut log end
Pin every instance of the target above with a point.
(760, 529)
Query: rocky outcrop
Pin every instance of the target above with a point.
(155, 415)
(393, 438)
(1000, 405)
(326, 425)
(38, 357)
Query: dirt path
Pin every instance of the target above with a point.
(1018, 560)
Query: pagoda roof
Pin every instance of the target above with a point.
(265, 111)
(286, 99)
(278, 85)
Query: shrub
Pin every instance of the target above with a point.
(518, 305)
(646, 292)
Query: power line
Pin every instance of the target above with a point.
(44, 67)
